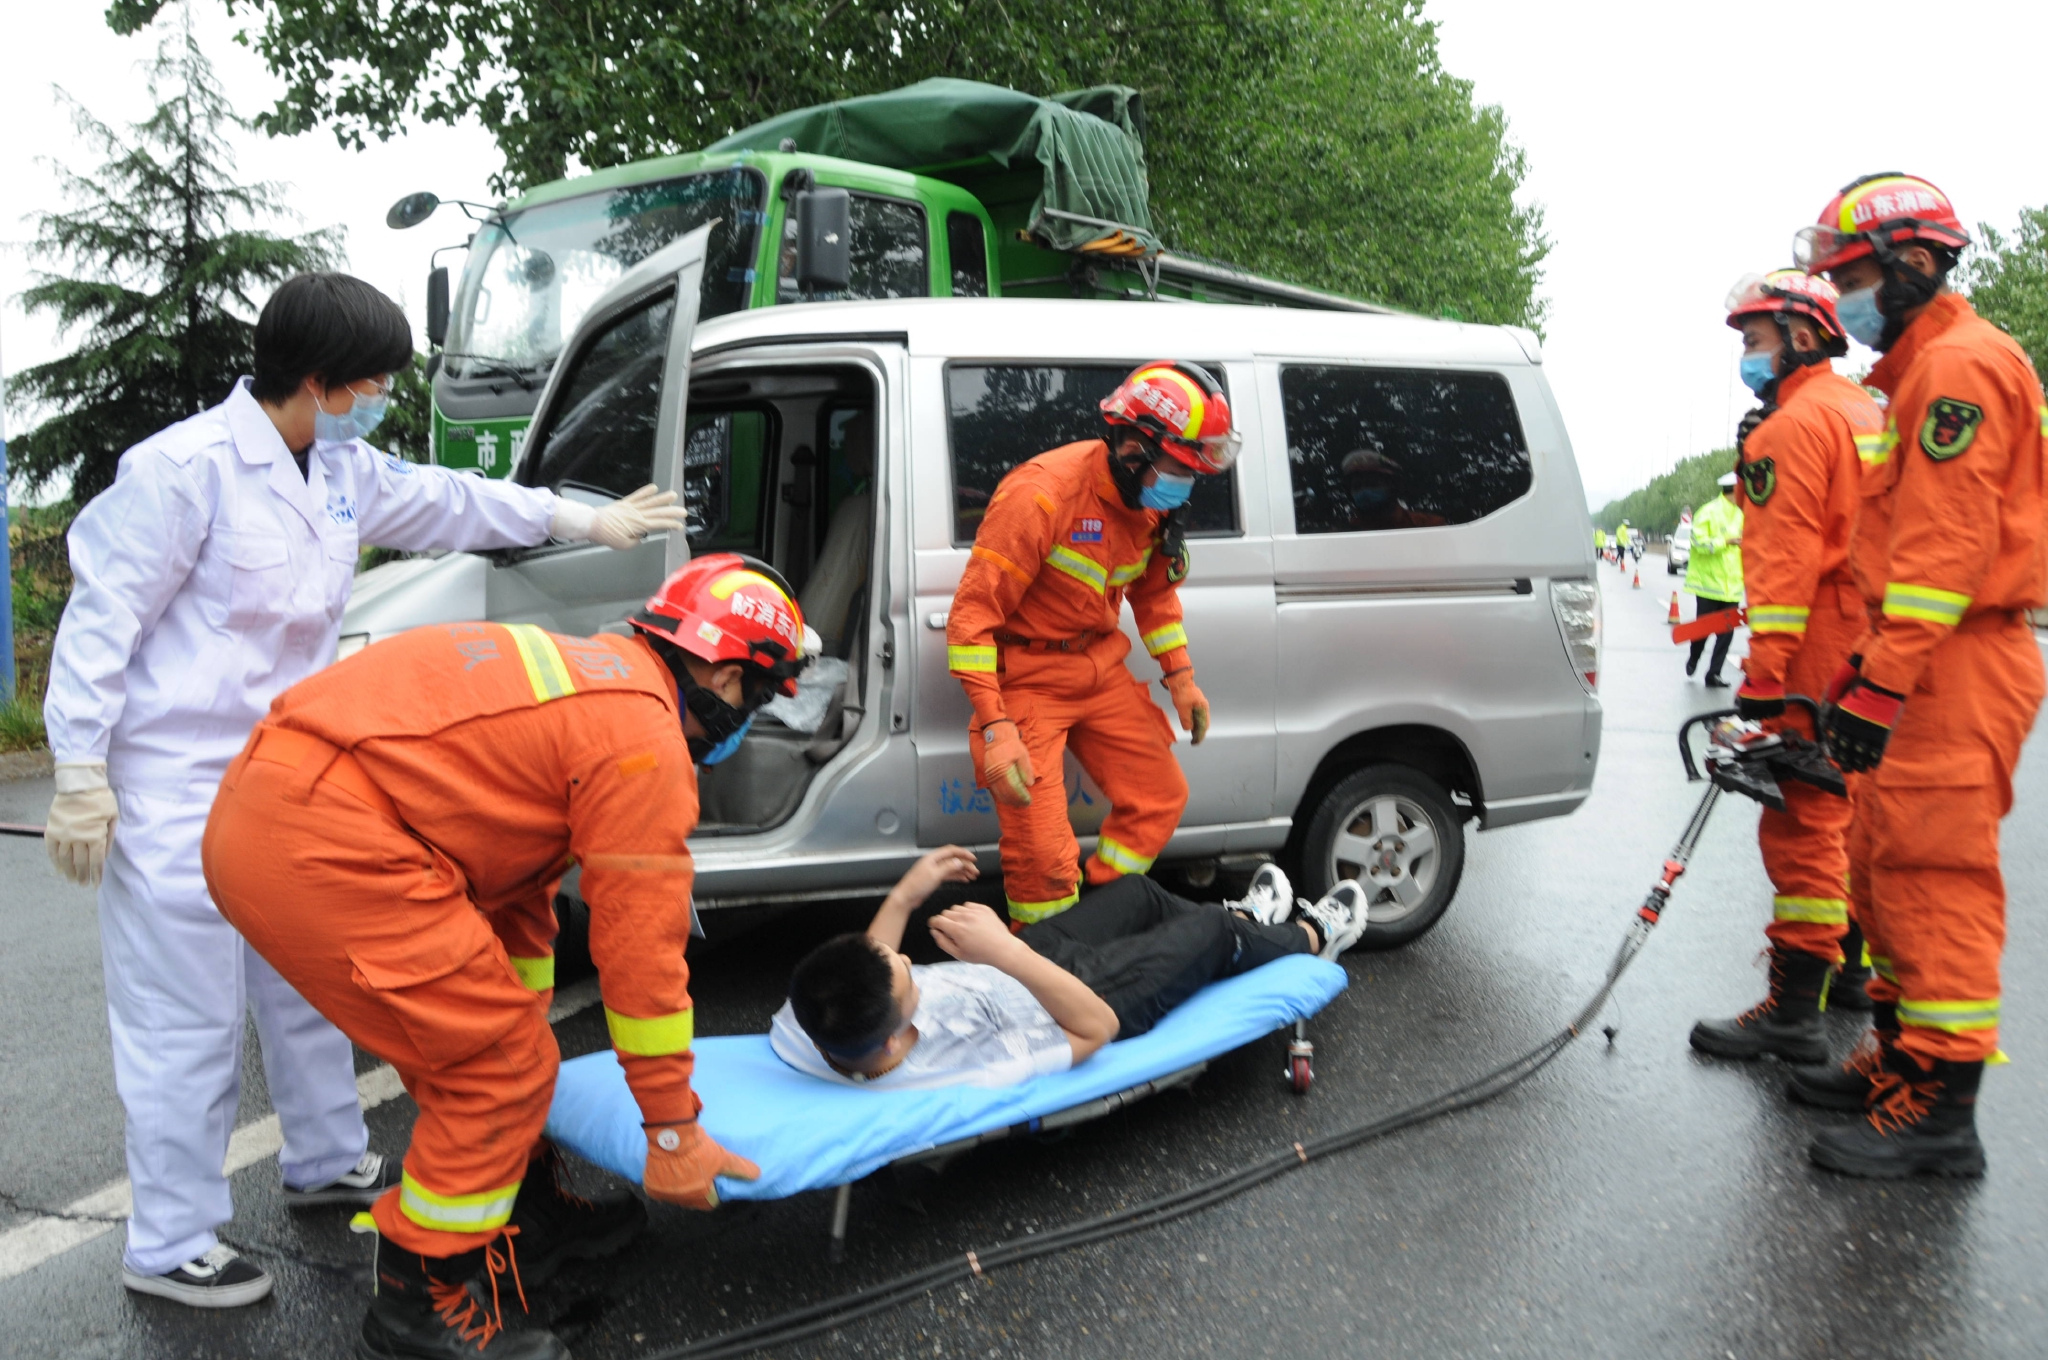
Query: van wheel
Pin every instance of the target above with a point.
(1393, 829)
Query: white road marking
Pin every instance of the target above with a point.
(24, 1248)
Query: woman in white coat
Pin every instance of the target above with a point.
(209, 578)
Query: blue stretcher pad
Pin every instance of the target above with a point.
(809, 1134)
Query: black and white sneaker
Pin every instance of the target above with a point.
(221, 1278)
(361, 1187)
(1270, 898)
(1339, 919)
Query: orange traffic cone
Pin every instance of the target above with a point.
(1671, 620)
(1639, 579)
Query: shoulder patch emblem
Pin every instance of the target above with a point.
(1760, 480)
(1949, 427)
(1086, 531)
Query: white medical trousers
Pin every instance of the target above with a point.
(178, 982)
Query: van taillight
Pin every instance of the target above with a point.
(1577, 606)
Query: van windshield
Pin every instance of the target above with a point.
(532, 276)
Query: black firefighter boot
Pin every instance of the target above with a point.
(1846, 992)
(1924, 1122)
(1785, 1023)
(1849, 1085)
(445, 1308)
(557, 1225)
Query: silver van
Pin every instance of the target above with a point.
(1392, 606)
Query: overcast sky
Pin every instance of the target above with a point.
(1672, 148)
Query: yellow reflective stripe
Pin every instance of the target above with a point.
(1876, 448)
(1777, 618)
(1902, 601)
(1131, 571)
(545, 670)
(1881, 966)
(655, 1038)
(1117, 855)
(538, 974)
(971, 659)
(1086, 570)
(480, 1212)
(1956, 1017)
(1032, 912)
(1827, 911)
(1165, 639)
(2044, 422)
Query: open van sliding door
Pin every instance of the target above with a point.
(609, 422)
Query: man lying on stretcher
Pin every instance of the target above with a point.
(1044, 999)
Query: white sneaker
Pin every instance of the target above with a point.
(1270, 898)
(1340, 918)
(361, 1186)
(222, 1278)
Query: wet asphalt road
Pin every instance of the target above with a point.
(1631, 1200)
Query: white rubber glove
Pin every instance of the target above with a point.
(81, 821)
(623, 523)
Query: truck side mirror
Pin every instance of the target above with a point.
(437, 306)
(823, 238)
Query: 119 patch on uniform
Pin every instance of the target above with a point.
(1949, 427)
(1760, 479)
(1086, 531)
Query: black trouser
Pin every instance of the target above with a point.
(1144, 950)
(1721, 640)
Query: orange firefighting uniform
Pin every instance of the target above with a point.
(1801, 475)
(1054, 559)
(1954, 554)
(391, 839)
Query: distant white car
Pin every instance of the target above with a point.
(1681, 549)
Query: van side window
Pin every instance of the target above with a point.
(969, 254)
(1000, 415)
(603, 437)
(1399, 448)
(886, 258)
(725, 462)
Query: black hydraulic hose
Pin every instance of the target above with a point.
(800, 1323)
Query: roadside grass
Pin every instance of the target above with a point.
(21, 724)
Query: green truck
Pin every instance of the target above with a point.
(946, 188)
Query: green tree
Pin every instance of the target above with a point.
(162, 281)
(1314, 140)
(1656, 506)
(2007, 281)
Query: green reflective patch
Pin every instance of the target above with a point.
(1949, 427)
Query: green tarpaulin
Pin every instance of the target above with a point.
(1086, 144)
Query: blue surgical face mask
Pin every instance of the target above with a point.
(354, 423)
(729, 745)
(1758, 370)
(1166, 492)
(1372, 497)
(1860, 315)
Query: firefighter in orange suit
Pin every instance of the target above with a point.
(1801, 473)
(1034, 634)
(391, 839)
(1944, 687)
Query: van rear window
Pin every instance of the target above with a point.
(1000, 415)
(1399, 448)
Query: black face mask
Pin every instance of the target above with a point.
(1904, 288)
(1130, 481)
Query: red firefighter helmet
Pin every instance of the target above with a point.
(1183, 407)
(1790, 292)
(1890, 210)
(726, 607)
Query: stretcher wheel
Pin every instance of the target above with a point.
(1300, 1075)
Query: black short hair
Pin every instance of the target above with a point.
(333, 325)
(843, 993)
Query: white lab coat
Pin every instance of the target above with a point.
(210, 578)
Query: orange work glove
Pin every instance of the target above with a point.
(1005, 764)
(683, 1163)
(1189, 702)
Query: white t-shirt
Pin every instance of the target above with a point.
(976, 1026)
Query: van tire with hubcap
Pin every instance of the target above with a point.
(1392, 828)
